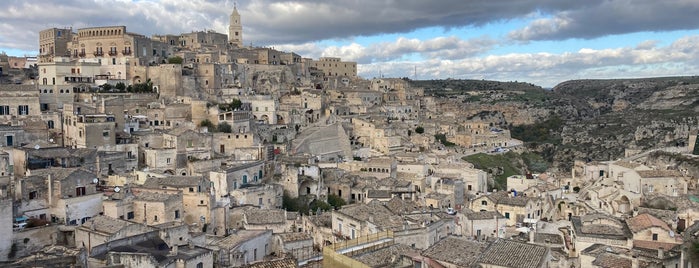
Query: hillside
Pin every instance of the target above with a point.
(585, 119)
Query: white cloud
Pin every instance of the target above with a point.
(547, 69)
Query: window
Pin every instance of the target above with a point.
(200, 265)
(655, 237)
(129, 215)
(177, 214)
(105, 133)
(507, 215)
(23, 109)
(191, 189)
(168, 160)
(254, 254)
(4, 110)
(80, 191)
(484, 203)
(33, 195)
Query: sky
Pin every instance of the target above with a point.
(543, 42)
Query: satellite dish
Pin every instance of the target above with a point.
(95, 180)
(117, 189)
(37, 147)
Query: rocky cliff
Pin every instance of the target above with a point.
(586, 119)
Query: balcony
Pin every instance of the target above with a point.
(81, 54)
(112, 53)
(126, 52)
(98, 53)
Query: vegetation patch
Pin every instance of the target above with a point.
(500, 166)
(547, 131)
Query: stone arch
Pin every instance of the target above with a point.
(624, 204)
(280, 119)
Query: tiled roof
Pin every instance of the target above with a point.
(154, 197)
(544, 238)
(482, 215)
(289, 237)
(236, 238)
(281, 263)
(603, 231)
(609, 260)
(509, 253)
(322, 220)
(653, 245)
(402, 206)
(658, 173)
(383, 257)
(378, 194)
(105, 224)
(373, 212)
(644, 221)
(172, 181)
(265, 216)
(458, 251)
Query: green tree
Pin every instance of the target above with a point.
(106, 87)
(235, 104)
(442, 138)
(175, 60)
(298, 204)
(319, 204)
(208, 124)
(224, 127)
(336, 201)
(120, 86)
(146, 87)
(419, 130)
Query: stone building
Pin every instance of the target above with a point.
(197, 201)
(102, 229)
(482, 224)
(84, 129)
(156, 207)
(241, 248)
(18, 103)
(331, 66)
(54, 42)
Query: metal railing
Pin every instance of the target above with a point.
(334, 255)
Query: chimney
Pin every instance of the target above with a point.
(634, 262)
(531, 235)
(173, 250)
(661, 253)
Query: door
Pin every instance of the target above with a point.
(9, 140)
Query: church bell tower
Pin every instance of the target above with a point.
(235, 29)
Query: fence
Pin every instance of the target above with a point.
(338, 254)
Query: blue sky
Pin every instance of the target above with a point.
(544, 42)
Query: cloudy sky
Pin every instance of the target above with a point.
(539, 41)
